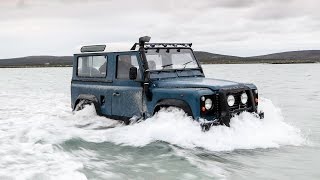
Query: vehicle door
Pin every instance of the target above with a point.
(94, 78)
(127, 94)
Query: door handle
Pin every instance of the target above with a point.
(116, 94)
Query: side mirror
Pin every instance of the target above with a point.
(133, 73)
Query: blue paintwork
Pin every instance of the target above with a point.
(189, 95)
(195, 82)
(126, 98)
(188, 89)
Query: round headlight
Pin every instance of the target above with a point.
(230, 100)
(208, 104)
(244, 98)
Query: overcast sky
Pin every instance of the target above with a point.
(232, 27)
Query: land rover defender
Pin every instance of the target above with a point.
(150, 76)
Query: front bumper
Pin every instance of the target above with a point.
(222, 112)
(205, 126)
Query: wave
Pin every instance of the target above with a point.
(246, 131)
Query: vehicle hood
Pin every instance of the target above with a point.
(199, 82)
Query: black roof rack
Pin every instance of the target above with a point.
(144, 43)
(155, 45)
(162, 45)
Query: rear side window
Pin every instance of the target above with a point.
(124, 63)
(92, 66)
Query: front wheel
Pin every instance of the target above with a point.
(81, 104)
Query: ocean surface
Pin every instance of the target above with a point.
(40, 137)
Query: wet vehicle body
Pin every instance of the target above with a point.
(151, 76)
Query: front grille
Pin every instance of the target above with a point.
(238, 105)
(216, 105)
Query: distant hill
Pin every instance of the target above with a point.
(206, 57)
(293, 55)
(37, 61)
(308, 56)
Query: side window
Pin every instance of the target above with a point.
(124, 63)
(92, 66)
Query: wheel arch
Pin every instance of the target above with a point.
(90, 98)
(163, 103)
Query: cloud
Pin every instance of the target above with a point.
(235, 27)
(234, 3)
(284, 9)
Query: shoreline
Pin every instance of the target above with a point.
(203, 63)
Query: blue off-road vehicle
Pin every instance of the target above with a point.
(150, 76)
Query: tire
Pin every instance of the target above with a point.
(81, 104)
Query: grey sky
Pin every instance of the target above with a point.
(233, 27)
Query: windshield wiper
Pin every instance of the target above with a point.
(185, 64)
(167, 65)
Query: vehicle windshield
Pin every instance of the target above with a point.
(161, 59)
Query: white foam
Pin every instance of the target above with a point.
(174, 127)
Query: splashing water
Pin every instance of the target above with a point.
(174, 127)
(30, 148)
